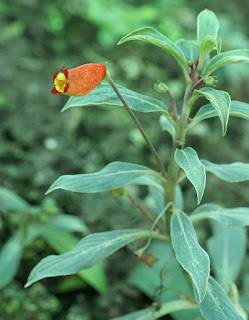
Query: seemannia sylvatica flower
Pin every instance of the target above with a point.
(79, 81)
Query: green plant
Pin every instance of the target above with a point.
(179, 266)
(30, 224)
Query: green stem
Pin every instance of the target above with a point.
(179, 142)
(132, 115)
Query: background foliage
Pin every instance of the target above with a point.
(38, 143)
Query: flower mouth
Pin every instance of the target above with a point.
(61, 82)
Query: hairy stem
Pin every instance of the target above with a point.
(132, 115)
(144, 211)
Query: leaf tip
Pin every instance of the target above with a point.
(27, 284)
(48, 191)
(64, 108)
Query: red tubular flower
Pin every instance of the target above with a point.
(79, 81)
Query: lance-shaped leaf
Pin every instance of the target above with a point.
(189, 253)
(62, 241)
(89, 251)
(113, 176)
(189, 161)
(207, 25)
(10, 256)
(227, 248)
(232, 56)
(156, 38)
(10, 201)
(233, 172)
(216, 304)
(237, 109)
(228, 216)
(220, 100)
(165, 308)
(104, 96)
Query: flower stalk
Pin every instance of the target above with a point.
(137, 123)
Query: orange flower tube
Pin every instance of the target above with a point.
(79, 81)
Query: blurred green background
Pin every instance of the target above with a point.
(38, 143)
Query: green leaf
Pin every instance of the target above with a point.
(167, 126)
(188, 48)
(207, 25)
(153, 314)
(234, 216)
(221, 102)
(10, 201)
(89, 251)
(233, 172)
(207, 31)
(148, 280)
(149, 181)
(237, 109)
(104, 96)
(189, 253)
(216, 304)
(156, 38)
(227, 248)
(10, 256)
(62, 241)
(207, 44)
(113, 176)
(232, 56)
(68, 223)
(188, 160)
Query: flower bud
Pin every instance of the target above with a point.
(190, 62)
(79, 81)
(160, 87)
(210, 81)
